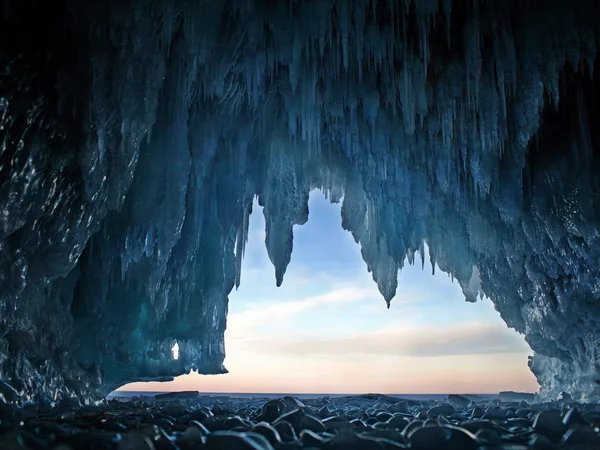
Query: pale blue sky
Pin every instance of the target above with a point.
(327, 329)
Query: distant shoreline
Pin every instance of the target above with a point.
(130, 394)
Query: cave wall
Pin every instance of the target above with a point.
(135, 134)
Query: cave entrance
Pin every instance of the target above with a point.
(327, 329)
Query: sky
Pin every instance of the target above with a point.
(327, 329)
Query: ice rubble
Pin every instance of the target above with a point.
(135, 134)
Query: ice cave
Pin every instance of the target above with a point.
(135, 135)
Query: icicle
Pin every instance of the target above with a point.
(344, 24)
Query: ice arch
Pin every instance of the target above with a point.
(135, 134)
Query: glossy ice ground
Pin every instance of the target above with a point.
(365, 422)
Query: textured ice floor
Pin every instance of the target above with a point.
(358, 422)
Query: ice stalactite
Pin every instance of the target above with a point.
(135, 134)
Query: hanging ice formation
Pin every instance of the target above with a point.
(135, 134)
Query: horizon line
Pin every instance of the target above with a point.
(330, 393)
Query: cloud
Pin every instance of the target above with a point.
(429, 341)
(251, 319)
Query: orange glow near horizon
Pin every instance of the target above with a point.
(463, 375)
(356, 374)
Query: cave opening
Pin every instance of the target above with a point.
(307, 335)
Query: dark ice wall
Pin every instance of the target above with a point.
(135, 134)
